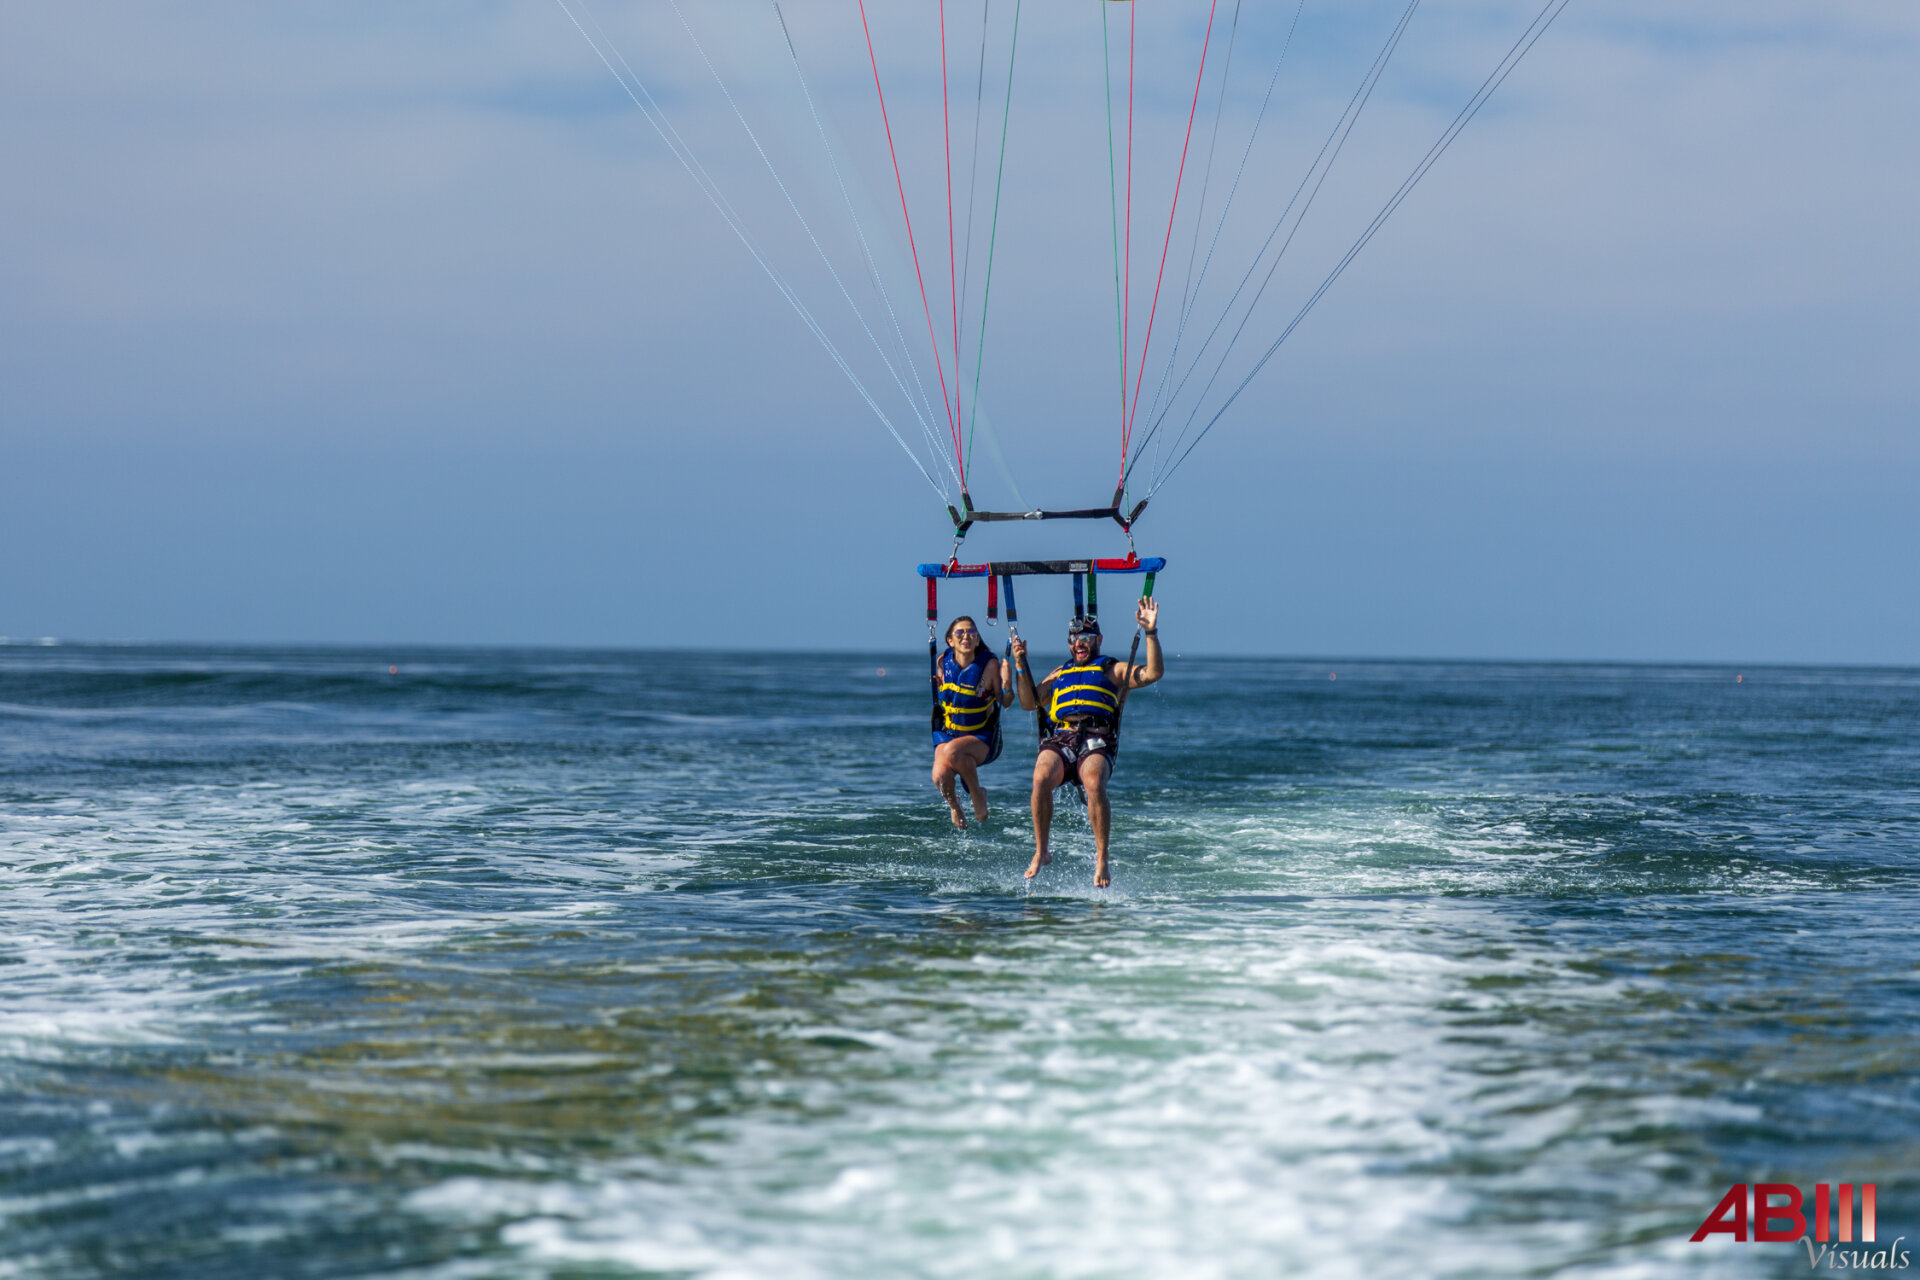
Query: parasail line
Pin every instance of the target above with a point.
(1329, 152)
(1126, 306)
(1213, 143)
(655, 117)
(1173, 208)
(1113, 210)
(938, 363)
(973, 173)
(1521, 47)
(993, 235)
(1226, 207)
(873, 267)
(792, 204)
(953, 272)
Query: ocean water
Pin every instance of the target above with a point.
(582, 964)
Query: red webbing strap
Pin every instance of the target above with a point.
(993, 596)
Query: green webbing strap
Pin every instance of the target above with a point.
(993, 237)
(1148, 593)
(1093, 591)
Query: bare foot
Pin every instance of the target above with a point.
(1100, 877)
(979, 805)
(953, 811)
(1039, 860)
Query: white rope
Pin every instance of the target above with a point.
(1189, 300)
(873, 267)
(1329, 152)
(1497, 77)
(793, 206)
(656, 117)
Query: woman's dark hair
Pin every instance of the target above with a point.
(969, 621)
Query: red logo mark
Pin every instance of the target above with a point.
(1786, 1221)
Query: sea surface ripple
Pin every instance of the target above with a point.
(594, 964)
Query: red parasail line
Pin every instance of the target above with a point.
(1126, 292)
(1126, 434)
(939, 365)
(953, 276)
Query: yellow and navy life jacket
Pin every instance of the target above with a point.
(1085, 693)
(963, 708)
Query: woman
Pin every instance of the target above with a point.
(966, 723)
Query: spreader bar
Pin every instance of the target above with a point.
(1011, 568)
(967, 518)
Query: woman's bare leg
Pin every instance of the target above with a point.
(960, 759)
(968, 763)
(943, 776)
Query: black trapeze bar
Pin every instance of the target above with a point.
(961, 523)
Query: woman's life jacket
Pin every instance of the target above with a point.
(963, 708)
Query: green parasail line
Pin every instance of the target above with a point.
(993, 237)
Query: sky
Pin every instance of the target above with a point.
(361, 323)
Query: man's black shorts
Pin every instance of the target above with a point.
(1074, 744)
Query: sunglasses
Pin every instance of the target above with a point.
(964, 633)
(1084, 638)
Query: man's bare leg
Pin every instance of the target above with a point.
(1093, 780)
(1049, 771)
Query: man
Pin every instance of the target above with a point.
(1081, 702)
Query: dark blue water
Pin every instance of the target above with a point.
(570, 964)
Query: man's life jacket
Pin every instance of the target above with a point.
(1085, 693)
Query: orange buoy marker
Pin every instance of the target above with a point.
(393, 671)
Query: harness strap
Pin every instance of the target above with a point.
(1121, 710)
(933, 652)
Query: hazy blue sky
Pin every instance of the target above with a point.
(372, 322)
